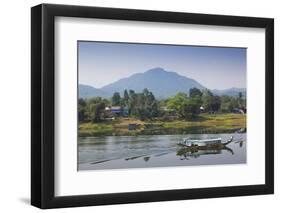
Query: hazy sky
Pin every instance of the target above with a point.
(101, 63)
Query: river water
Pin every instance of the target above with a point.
(116, 152)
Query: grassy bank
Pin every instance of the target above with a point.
(206, 123)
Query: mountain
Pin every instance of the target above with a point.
(86, 91)
(230, 92)
(162, 83)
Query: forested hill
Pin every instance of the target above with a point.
(160, 82)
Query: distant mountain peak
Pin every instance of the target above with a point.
(233, 91)
(86, 91)
(161, 82)
(156, 69)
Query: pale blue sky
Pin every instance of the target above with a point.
(101, 63)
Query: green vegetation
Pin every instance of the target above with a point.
(205, 123)
(186, 108)
(141, 113)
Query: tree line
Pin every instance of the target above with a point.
(144, 105)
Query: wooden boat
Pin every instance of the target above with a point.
(204, 142)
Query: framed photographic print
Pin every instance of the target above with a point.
(139, 106)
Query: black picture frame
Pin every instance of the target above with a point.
(43, 102)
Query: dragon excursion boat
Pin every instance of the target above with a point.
(204, 142)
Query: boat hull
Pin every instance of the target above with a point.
(191, 143)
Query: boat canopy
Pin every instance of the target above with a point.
(203, 140)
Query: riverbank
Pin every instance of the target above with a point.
(206, 123)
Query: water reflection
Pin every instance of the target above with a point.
(157, 151)
(195, 152)
(240, 143)
(146, 158)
